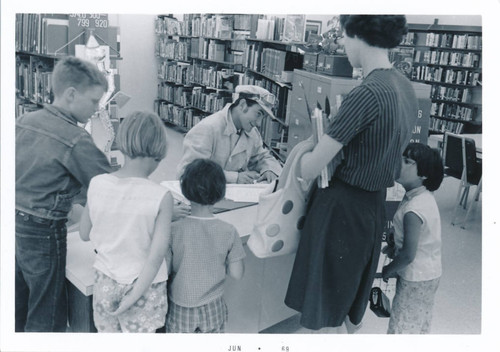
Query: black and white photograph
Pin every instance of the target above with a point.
(249, 177)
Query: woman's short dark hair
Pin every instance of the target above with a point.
(383, 31)
(429, 164)
(203, 182)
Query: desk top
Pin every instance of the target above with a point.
(80, 255)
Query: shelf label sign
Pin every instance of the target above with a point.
(88, 20)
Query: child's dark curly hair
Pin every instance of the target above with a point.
(383, 31)
(203, 182)
(429, 164)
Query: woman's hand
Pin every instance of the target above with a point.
(387, 273)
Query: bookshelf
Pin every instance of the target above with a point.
(449, 59)
(43, 39)
(203, 57)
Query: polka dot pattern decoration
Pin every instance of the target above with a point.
(273, 230)
(280, 214)
(287, 207)
(277, 245)
(300, 223)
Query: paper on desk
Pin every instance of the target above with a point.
(249, 192)
(234, 192)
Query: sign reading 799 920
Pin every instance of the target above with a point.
(89, 20)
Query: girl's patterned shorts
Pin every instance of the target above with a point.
(412, 305)
(146, 315)
(209, 318)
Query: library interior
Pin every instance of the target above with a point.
(185, 67)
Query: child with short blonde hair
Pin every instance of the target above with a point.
(127, 219)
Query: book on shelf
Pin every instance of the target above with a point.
(224, 26)
(242, 22)
(265, 29)
(55, 36)
(294, 28)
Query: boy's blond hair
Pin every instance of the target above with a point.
(142, 134)
(77, 73)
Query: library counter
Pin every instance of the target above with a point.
(254, 302)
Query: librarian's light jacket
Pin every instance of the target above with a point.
(216, 138)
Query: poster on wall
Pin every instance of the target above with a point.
(295, 27)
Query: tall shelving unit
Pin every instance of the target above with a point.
(201, 60)
(42, 40)
(196, 71)
(449, 58)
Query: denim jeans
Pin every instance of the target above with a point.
(41, 299)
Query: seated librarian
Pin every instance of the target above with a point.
(230, 138)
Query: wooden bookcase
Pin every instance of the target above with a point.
(203, 57)
(449, 59)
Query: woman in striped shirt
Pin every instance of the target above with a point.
(341, 239)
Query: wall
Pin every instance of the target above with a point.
(138, 70)
(445, 19)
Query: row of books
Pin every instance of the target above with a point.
(409, 39)
(252, 57)
(179, 95)
(172, 49)
(171, 26)
(213, 78)
(209, 102)
(461, 95)
(271, 28)
(208, 49)
(176, 72)
(438, 125)
(439, 74)
(186, 74)
(448, 58)
(177, 115)
(42, 33)
(34, 80)
(274, 62)
(217, 26)
(455, 41)
(451, 111)
(193, 98)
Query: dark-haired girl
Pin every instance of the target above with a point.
(416, 243)
(203, 249)
(340, 244)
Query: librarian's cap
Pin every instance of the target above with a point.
(266, 100)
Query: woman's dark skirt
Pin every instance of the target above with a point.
(337, 255)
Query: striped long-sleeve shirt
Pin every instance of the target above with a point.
(374, 125)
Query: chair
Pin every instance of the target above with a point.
(461, 162)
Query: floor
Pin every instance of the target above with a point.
(459, 293)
